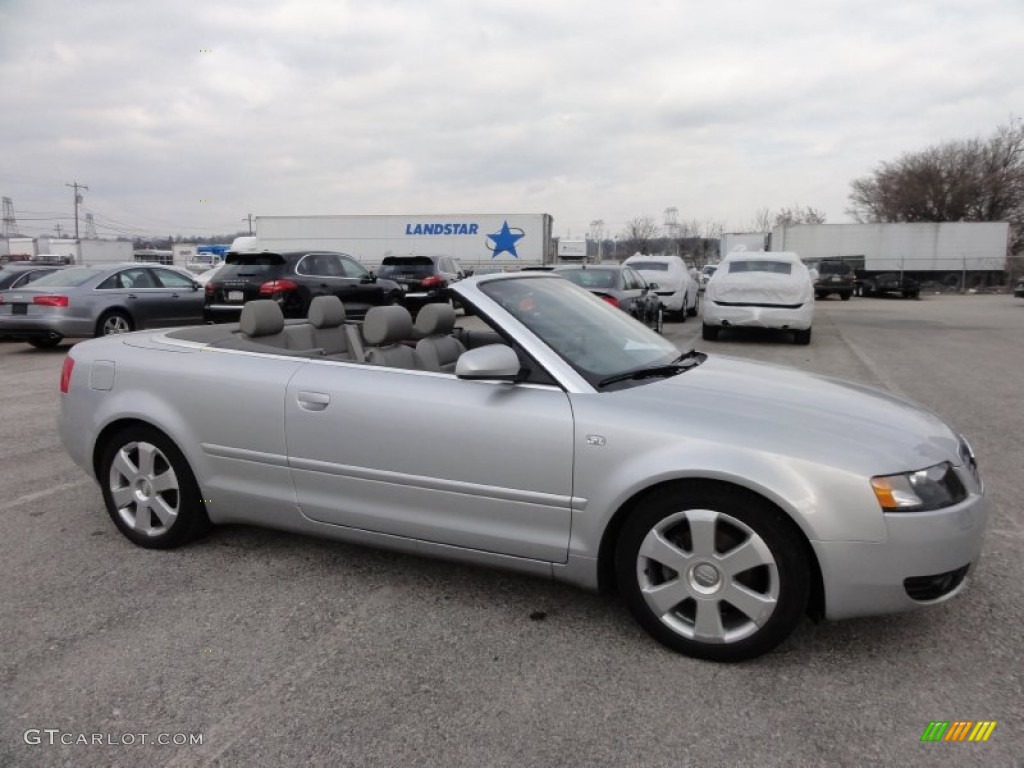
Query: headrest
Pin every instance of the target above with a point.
(262, 317)
(435, 319)
(326, 312)
(386, 325)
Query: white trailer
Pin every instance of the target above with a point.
(21, 247)
(475, 240)
(90, 251)
(956, 254)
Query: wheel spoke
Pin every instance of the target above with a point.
(164, 512)
(708, 625)
(143, 519)
(702, 529)
(147, 453)
(165, 481)
(122, 496)
(659, 549)
(750, 554)
(123, 465)
(756, 606)
(664, 597)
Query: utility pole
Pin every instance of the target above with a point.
(78, 198)
(249, 219)
(58, 230)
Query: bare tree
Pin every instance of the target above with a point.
(968, 180)
(638, 233)
(763, 220)
(798, 215)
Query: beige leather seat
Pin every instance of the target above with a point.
(385, 328)
(437, 350)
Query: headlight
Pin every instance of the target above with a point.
(932, 488)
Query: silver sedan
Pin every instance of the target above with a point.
(98, 301)
(722, 499)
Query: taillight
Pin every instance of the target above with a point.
(208, 289)
(50, 301)
(277, 286)
(431, 281)
(65, 374)
(611, 300)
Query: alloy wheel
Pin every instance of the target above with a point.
(144, 488)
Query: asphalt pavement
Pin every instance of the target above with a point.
(275, 649)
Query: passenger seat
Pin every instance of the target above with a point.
(385, 328)
(438, 350)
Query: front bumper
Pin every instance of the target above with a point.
(866, 578)
(798, 319)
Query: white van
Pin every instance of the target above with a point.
(676, 289)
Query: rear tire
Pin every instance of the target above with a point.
(802, 337)
(712, 571)
(114, 321)
(692, 311)
(845, 296)
(709, 332)
(149, 489)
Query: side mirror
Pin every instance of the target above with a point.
(196, 286)
(495, 362)
(460, 274)
(369, 277)
(653, 286)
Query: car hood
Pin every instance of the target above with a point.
(786, 411)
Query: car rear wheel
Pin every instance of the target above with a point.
(114, 322)
(149, 489)
(845, 296)
(802, 337)
(712, 571)
(692, 311)
(710, 332)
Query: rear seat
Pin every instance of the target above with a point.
(262, 325)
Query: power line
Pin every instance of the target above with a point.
(78, 199)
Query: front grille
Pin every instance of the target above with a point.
(933, 587)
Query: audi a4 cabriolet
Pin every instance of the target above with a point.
(722, 499)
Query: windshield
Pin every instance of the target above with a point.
(409, 266)
(650, 266)
(66, 278)
(595, 338)
(777, 267)
(590, 278)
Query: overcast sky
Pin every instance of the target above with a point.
(183, 117)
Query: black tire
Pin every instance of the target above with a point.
(692, 311)
(845, 296)
(47, 343)
(709, 332)
(135, 512)
(659, 320)
(802, 337)
(114, 317)
(733, 517)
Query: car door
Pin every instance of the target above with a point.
(475, 464)
(186, 303)
(361, 290)
(136, 289)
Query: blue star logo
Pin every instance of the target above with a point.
(505, 240)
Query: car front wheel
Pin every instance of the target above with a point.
(709, 332)
(149, 489)
(713, 571)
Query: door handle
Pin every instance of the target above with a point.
(313, 401)
(132, 296)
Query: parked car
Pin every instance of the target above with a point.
(705, 274)
(760, 290)
(622, 287)
(19, 274)
(293, 280)
(204, 277)
(1019, 290)
(423, 279)
(567, 454)
(677, 290)
(834, 277)
(97, 301)
(890, 283)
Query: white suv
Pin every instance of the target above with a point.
(676, 289)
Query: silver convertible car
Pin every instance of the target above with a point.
(722, 499)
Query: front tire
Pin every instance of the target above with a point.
(692, 311)
(710, 332)
(802, 337)
(712, 571)
(149, 489)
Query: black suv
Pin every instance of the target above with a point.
(891, 282)
(835, 277)
(423, 279)
(293, 280)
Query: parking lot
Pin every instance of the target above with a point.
(281, 650)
